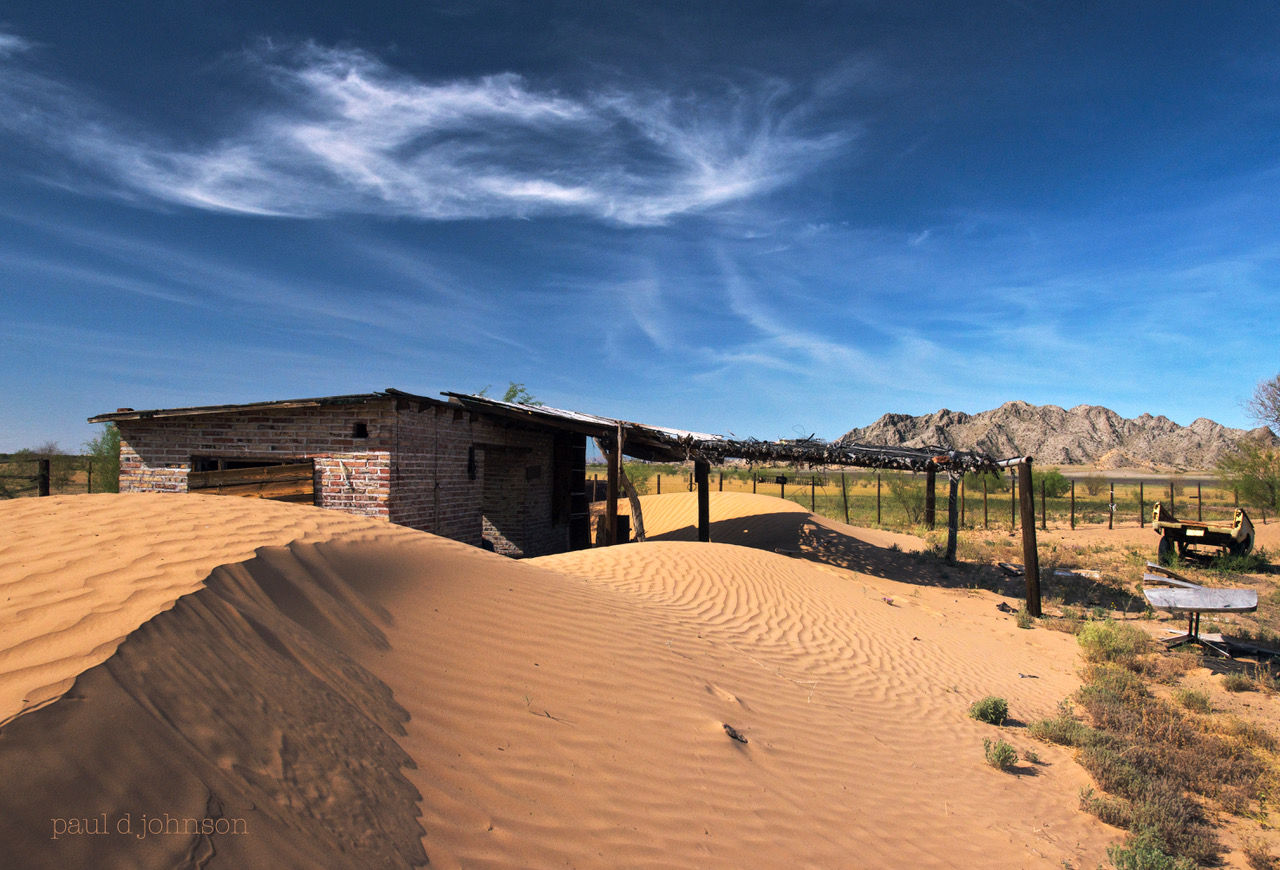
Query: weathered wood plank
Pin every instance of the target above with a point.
(235, 476)
(1202, 600)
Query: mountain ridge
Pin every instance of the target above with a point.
(1083, 435)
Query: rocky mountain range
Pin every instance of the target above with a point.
(1083, 435)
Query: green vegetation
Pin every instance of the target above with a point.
(991, 709)
(516, 394)
(104, 453)
(1238, 683)
(1160, 765)
(1000, 754)
(1055, 485)
(1253, 470)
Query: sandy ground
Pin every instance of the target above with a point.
(191, 681)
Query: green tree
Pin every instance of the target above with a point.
(1055, 485)
(516, 394)
(995, 482)
(1253, 470)
(908, 492)
(104, 453)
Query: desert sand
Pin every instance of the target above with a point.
(192, 681)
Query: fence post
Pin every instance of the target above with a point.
(844, 491)
(1199, 503)
(813, 493)
(659, 484)
(1044, 520)
(1171, 510)
(42, 477)
(1142, 507)
(753, 481)
(962, 518)
(986, 521)
(1013, 501)
(1111, 508)
(953, 481)
(89, 475)
(722, 481)
(1030, 552)
(1073, 505)
(930, 496)
(877, 498)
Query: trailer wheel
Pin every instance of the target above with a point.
(1164, 551)
(1241, 548)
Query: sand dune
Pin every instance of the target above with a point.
(362, 695)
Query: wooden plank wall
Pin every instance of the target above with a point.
(294, 482)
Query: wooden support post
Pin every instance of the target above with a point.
(953, 516)
(1171, 510)
(1073, 505)
(1142, 508)
(930, 496)
(753, 483)
(1013, 501)
(986, 520)
(1044, 520)
(1111, 507)
(844, 491)
(611, 492)
(962, 502)
(42, 477)
(659, 484)
(702, 470)
(88, 487)
(813, 493)
(877, 498)
(1199, 503)
(690, 481)
(1030, 555)
(722, 481)
(782, 487)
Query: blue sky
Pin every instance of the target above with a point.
(757, 218)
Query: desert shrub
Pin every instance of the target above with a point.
(995, 482)
(1031, 756)
(1145, 856)
(1252, 469)
(991, 709)
(908, 493)
(1000, 754)
(1024, 619)
(104, 453)
(1065, 730)
(1110, 641)
(1197, 702)
(1256, 562)
(1055, 485)
(1238, 683)
(1258, 856)
(1094, 484)
(1112, 810)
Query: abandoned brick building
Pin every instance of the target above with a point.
(480, 471)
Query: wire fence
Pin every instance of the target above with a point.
(896, 500)
(58, 474)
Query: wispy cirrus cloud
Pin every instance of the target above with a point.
(346, 134)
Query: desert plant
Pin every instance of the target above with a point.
(1238, 683)
(104, 453)
(1000, 754)
(1055, 485)
(1111, 641)
(1094, 484)
(1146, 856)
(991, 709)
(1258, 855)
(909, 495)
(1024, 619)
(1252, 469)
(1197, 702)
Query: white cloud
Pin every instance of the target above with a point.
(350, 135)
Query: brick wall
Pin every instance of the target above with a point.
(426, 465)
(352, 474)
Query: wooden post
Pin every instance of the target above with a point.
(962, 520)
(702, 470)
(722, 481)
(42, 477)
(782, 487)
(877, 498)
(953, 515)
(1044, 522)
(1111, 507)
(813, 493)
(659, 484)
(753, 482)
(691, 481)
(1199, 503)
(1073, 505)
(844, 491)
(1013, 501)
(1171, 510)
(611, 491)
(89, 476)
(1030, 556)
(986, 520)
(930, 496)
(1142, 507)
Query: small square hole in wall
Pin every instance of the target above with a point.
(360, 430)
